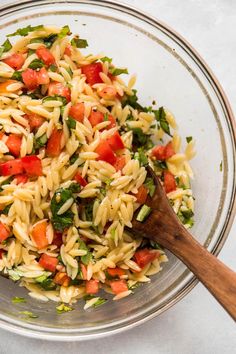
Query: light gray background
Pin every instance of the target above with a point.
(197, 324)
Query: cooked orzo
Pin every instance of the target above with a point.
(74, 143)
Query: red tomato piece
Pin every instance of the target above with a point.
(14, 144)
(1, 253)
(30, 79)
(35, 121)
(48, 262)
(105, 153)
(118, 286)
(61, 278)
(53, 148)
(112, 120)
(115, 142)
(39, 234)
(79, 179)
(45, 55)
(56, 88)
(113, 272)
(10, 168)
(21, 178)
(5, 84)
(120, 163)
(77, 112)
(159, 152)
(15, 61)
(84, 271)
(57, 239)
(142, 194)
(169, 150)
(96, 117)
(68, 50)
(92, 286)
(92, 71)
(145, 256)
(4, 232)
(169, 182)
(32, 165)
(43, 77)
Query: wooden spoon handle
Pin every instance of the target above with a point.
(217, 277)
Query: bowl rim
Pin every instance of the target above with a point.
(35, 332)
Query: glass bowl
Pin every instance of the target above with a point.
(171, 72)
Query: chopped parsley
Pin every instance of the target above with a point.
(150, 185)
(160, 116)
(79, 42)
(189, 138)
(118, 71)
(65, 220)
(221, 166)
(63, 308)
(26, 30)
(141, 157)
(65, 31)
(40, 142)
(5, 47)
(28, 314)
(104, 59)
(71, 123)
(100, 301)
(18, 300)
(17, 75)
(36, 64)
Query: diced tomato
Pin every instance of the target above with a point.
(48, 262)
(68, 50)
(120, 163)
(159, 152)
(5, 84)
(43, 77)
(169, 150)
(113, 272)
(56, 88)
(4, 232)
(53, 148)
(30, 79)
(162, 153)
(1, 135)
(115, 142)
(96, 117)
(32, 165)
(118, 286)
(112, 120)
(105, 153)
(169, 182)
(21, 178)
(142, 194)
(35, 121)
(14, 144)
(10, 168)
(92, 286)
(15, 61)
(92, 71)
(79, 179)
(77, 112)
(45, 55)
(57, 239)
(1, 253)
(84, 271)
(61, 278)
(145, 256)
(39, 234)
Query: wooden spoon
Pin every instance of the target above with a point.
(164, 227)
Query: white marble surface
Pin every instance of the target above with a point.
(197, 324)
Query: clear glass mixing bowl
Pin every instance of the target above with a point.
(170, 71)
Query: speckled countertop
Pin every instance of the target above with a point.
(197, 324)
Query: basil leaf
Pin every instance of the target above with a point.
(133, 101)
(160, 116)
(40, 142)
(73, 158)
(5, 47)
(63, 308)
(71, 123)
(141, 157)
(75, 187)
(79, 42)
(17, 75)
(118, 71)
(36, 64)
(64, 32)
(104, 59)
(65, 220)
(52, 68)
(26, 30)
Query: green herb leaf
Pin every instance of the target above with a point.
(71, 123)
(5, 47)
(17, 75)
(75, 187)
(141, 157)
(7, 181)
(56, 98)
(28, 314)
(105, 117)
(48, 284)
(63, 308)
(64, 32)
(87, 258)
(37, 40)
(5, 211)
(155, 245)
(143, 213)
(104, 59)
(140, 139)
(53, 68)
(150, 185)
(88, 208)
(26, 30)
(61, 222)
(36, 64)
(160, 116)
(48, 41)
(79, 42)
(73, 158)
(40, 142)
(18, 300)
(133, 101)
(14, 274)
(118, 71)
(221, 166)
(99, 302)
(189, 138)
